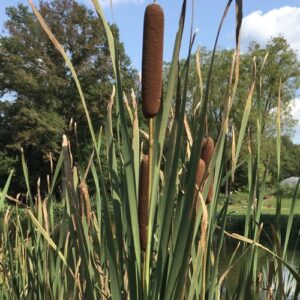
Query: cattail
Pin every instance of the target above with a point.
(143, 200)
(199, 177)
(152, 63)
(208, 148)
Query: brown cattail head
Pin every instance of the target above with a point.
(199, 177)
(143, 201)
(152, 63)
(208, 148)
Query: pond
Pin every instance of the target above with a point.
(264, 261)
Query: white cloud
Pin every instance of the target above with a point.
(261, 27)
(295, 110)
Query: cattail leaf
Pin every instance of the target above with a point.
(124, 128)
(160, 125)
(246, 114)
(3, 193)
(127, 150)
(55, 176)
(128, 108)
(136, 140)
(267, 250)
(48, 239)
(102, 248)
(178, 268)
(278, 129)
(188, 130)
(97, 198)
(70, 188)
(279, 265)
(215, 271)
(201, 248)
(199, 180)
(114, 175)
(73, 200)
(239, 18)
(229, 268)
(26, 175)
(290, 220)
(165, 207)
(201, 86)
(61, 50)
(113, 267)
(233, 151)
(173, 156)
(108, 32)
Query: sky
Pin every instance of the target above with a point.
(262, 20)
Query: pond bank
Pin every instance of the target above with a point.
(236, 223)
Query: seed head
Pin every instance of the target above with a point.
(208, 148)
(152, 62)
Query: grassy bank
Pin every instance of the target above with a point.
(238, 204)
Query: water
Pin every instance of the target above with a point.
(264, 260)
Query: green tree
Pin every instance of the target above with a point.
(45, 93)
(290, 158)
(282, 64)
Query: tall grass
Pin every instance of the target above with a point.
(96, 253)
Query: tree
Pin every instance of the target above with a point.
(290, 158)
(46, 97)
(281, 65)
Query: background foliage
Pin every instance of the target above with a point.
(44, 95)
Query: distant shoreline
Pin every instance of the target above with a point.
(236, 223)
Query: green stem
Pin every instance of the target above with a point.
(146, 266)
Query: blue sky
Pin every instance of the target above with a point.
(262, 19)
(128, 14)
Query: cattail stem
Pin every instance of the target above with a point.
(146, 272)
(144, 210)
(150, 156)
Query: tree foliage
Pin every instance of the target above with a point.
(45, 96)
(281, 65)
